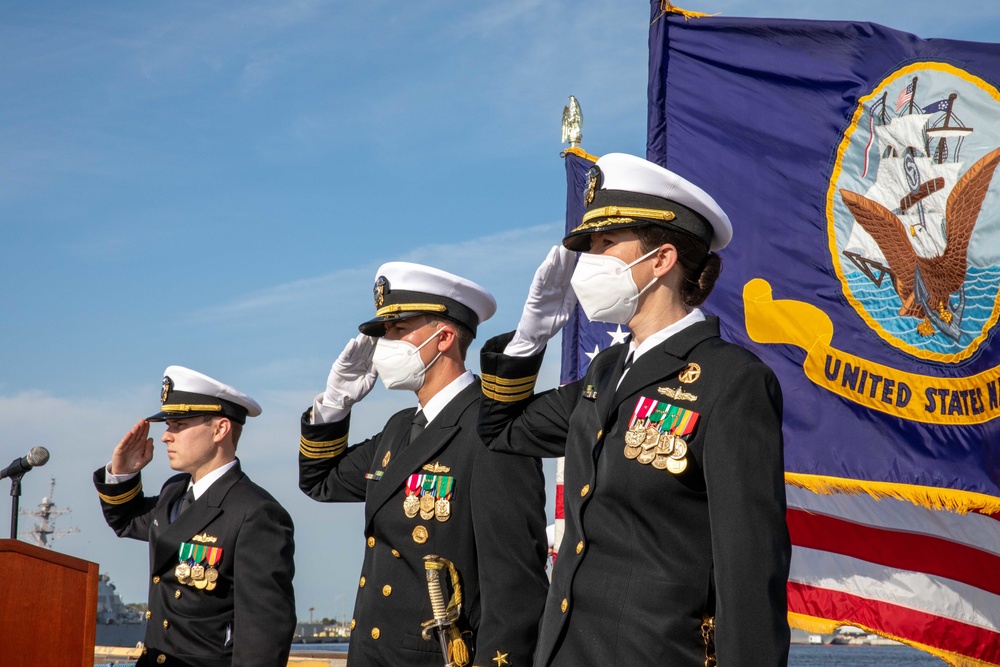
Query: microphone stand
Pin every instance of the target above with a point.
(15, 493)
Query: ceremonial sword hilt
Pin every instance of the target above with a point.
(445, 615)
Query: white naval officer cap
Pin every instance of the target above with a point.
(404, 289)
(626, 191)
(187, 393)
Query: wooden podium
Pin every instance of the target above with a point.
(48, 607)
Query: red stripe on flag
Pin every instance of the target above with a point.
(897, 549)
(896, 621)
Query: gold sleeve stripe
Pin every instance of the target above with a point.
(322, 450)
(123, 498)
(507, 398)
(409, 307)
(616, 211)
(321, 455)
(497, 381)
(509, 391)
(187, 407)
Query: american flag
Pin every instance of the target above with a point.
(904, 97)
(895, 522)
(890, 566)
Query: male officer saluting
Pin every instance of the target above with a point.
(220, 547)
(431, 489)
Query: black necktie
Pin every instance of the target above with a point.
(185, 502)
(417, 427)
(628, 363)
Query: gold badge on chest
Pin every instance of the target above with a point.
(677, 394)
(690, 373)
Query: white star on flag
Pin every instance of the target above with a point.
(617, 336)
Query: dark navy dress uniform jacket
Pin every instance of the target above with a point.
(647, 554)
(495, 535)
(249, 618)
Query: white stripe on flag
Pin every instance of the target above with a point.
(913, 590)
(974, 530)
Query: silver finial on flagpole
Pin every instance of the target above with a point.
(572, 123)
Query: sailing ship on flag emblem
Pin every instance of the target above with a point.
(909, 211)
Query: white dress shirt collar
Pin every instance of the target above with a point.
(201, 486)
(695, 316)
(441, 399)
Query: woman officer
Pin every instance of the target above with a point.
(675, 549)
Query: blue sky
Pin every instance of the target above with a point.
(214, 185)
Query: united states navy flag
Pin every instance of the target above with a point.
(857, 164)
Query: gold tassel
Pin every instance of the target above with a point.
(931, 497)
(812, 624)
(667, 7)
(458, 652)
(579, 152)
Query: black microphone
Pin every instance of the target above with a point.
(38, 456)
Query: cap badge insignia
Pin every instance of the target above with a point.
(168, 384)
(436, 468)
(690, 373)
(381, 287)
(593, 183)
(677, 393)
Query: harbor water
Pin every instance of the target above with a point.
(860, 656)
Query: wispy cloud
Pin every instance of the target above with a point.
(503, 263)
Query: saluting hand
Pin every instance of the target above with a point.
(352, 375)
(550, 302)
(134, 451)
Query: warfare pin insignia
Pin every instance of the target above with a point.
(690, 373)
(677, 394)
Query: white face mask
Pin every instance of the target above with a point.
(399, 365)
(605, 289)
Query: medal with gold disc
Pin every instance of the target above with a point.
(427, 499)
(214, 555)
(676, 466)
(635, 435)
(411, 504)
(442, 508)
(183, 569)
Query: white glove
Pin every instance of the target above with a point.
(550, 302)
(351, 378)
